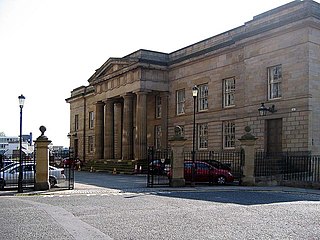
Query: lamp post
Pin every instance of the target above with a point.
(21, 103)
(194, 94)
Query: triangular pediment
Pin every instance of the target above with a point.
(111, 66)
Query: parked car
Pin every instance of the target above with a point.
(205, 172)
(220, 165)
(159, 167)
(8, 165)
(11, 174)
(68, 162)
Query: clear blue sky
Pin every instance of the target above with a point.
(49, 47)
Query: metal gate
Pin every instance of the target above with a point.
(11, 169)
(159, 166)
(60, 177)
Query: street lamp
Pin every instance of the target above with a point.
(263, 109)
(195, 90)
(21, 103)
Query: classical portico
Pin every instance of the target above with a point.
(121, 127)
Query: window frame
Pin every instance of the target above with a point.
(229, 134)
(203, 94)
(229, 92)
(274, 84)
(91, 120)
(180, 102)
(202, 135)
(158, 105)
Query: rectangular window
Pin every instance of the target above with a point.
(229, 87)
(180, 101)
(90, 144)
(203, 136)
(76, 122)
(157, 136)
(203, 97)
(229, 137)
(91, 120)
(158, 106)
(274, 82)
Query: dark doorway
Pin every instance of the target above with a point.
(76, 147)
(274, 135)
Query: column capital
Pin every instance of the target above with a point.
(141, 92)
(127, 95)
(109, 100)
(99, 103)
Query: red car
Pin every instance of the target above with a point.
(204, 172)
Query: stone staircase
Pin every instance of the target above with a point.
(115, 166)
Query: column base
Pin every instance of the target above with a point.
(177, 182)
(41, 186)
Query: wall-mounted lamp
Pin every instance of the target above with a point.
(263, 109)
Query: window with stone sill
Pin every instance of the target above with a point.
(229, 137)
(274, 82)
(203, 136)
(158, 106)
(180, 99)
(228, 92)
(203, 97)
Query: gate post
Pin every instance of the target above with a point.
(177, 164)
(247, 143)
(42, 162)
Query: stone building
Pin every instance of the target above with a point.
(135, 101)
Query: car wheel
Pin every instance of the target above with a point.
(221, 180)
(52, 181)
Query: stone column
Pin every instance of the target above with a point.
(127, 138)
(164, 119)
(98, 130)
(177, 161)
(141, 126)
(42, 162)
(109, 130)
(117, 130)
(248, 144)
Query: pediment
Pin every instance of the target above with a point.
(110, 67)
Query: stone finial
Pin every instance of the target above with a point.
(178, 133)
(248, 135)
(42, 130)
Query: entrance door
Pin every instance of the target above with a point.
(274, 135)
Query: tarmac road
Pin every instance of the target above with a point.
(104, 206)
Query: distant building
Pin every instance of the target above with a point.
(136, 101)
(9, 144)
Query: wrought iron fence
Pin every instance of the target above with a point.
(288, 166)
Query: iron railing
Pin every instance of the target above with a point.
(288, 166)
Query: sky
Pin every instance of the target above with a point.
(50, 47)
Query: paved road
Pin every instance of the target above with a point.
(121, 207)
